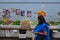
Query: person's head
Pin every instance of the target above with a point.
(41, 19)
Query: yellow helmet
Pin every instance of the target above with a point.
(41, 13)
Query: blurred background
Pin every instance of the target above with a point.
(19, 10)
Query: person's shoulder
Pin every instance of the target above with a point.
(44, 24)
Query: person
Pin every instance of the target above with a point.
(41, 31)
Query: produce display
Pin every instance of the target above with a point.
(6, 20)
(25, 23)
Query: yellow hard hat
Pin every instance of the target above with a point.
(39, 12)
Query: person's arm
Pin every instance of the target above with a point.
(35, 28)
(41, 33)
(38, 33)
(38, 29)
(45, 33)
